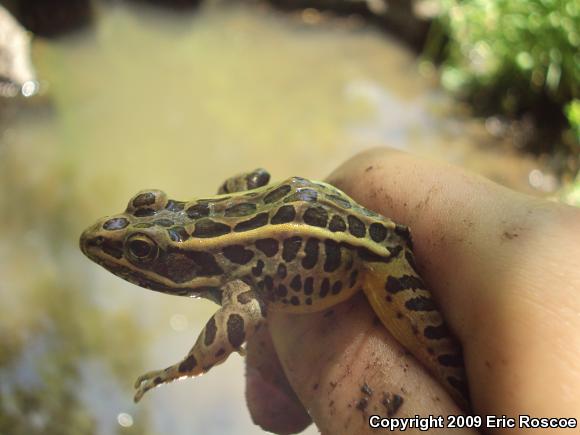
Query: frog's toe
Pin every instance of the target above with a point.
(146, 382)
(145, 386)
(140, 380)
(138, 395)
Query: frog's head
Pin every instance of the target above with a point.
(143, 245)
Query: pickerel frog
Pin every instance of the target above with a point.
(297, 246)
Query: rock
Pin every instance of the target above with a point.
(17, 75)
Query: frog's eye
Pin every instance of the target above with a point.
(141, 248)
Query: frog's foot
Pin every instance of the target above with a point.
(152, 379)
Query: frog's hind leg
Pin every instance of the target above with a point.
(246, 181)
(400, 299)
(239, 317)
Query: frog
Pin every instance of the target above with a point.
(297, 246)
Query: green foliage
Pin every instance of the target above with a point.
(513, 54)
(573, 115)
(571, 194)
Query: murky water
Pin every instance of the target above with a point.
(150, 98)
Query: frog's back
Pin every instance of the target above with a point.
(301, 243)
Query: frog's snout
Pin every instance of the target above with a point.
(89, 241)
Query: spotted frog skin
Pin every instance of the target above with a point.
(298, 246)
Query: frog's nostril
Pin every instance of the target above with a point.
(96, 241)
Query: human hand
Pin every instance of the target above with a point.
(504, 269)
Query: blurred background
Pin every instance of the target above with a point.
(100, 99)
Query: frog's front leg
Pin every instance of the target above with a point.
(241, 314)
(246, 181)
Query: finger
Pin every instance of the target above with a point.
(345, 367)
(501, 265)
(273, 404)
